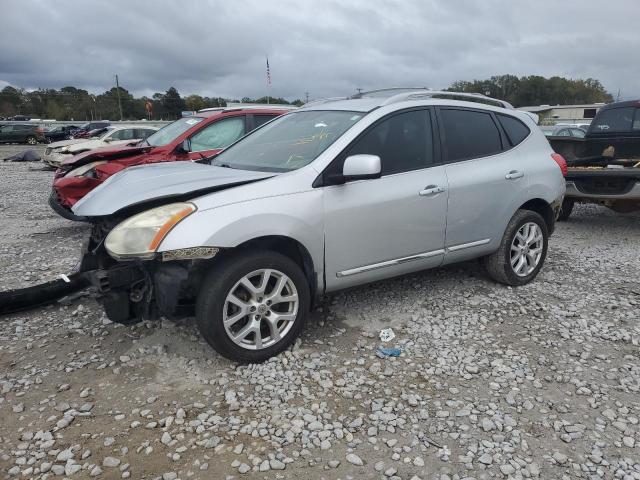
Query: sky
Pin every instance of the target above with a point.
(327, 48)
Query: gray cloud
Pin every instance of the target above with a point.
(328, 48)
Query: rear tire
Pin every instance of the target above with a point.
(260, 322)
(522, 250)
(31, 140)
(566, 209)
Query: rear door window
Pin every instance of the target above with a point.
(636, 120)
(404, 142)
(220, 134)
(516, 130)
(613, 120)
(125, 134)
(469, 134)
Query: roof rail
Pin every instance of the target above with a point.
(249, 106)
(408, 93)
(324, 100)
(380, 93)
(465, 97)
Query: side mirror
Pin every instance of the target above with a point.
(108, 140)
(358, 167)
(185, 147)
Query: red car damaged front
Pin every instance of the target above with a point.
(187, 139)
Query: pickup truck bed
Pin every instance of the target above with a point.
(604, 166)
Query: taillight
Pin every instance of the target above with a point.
(562, 163)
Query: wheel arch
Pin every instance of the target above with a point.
(290, 248)
(545, 210)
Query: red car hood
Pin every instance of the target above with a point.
(103, 153)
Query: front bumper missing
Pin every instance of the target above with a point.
(64, 212)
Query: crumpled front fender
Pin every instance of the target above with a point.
(72, 189)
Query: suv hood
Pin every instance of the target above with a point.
(143, 183)
(85, 144)
(65, 143)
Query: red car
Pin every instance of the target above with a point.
(191, 138)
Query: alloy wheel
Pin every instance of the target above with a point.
(260, 309)
(526, 249)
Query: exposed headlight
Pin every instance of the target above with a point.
(141, 235)
(80, 171)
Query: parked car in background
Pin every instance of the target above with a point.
(84, 130)
(191, 138)
(577, 131)
(336, 194)
(27, 133)
(604, 165)
(568, 132)
(59, 132)
(56, 153)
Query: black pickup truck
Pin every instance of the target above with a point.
(604, 166)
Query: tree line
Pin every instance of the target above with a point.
(71, 103)
(536, 90)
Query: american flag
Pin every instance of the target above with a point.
(268, 73)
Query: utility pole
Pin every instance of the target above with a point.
(118, 93)
(618, 97)
(359, 90)
(306, 94)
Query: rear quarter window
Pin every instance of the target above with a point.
(613, 120)
(516, 130)
(469, 134)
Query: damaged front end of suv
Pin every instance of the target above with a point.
(129, 219)
(135, 282)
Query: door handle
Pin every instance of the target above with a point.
(513, 174)
(430, 190)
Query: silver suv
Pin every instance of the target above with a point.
(338, 193)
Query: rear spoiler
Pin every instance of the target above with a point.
(533, 116)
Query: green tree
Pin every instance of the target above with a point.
(172, 103)
(194, 102)
(536, 90)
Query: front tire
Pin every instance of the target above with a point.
(522, 250)
(31, 140)
(253, 305)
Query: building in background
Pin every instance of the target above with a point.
(552, 114)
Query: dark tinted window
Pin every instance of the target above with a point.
(613, 120)
(469, 134)
(516, 130)
(589, 112)
(261, 119)
(403, 142)
(636, 121)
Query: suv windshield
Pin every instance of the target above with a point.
(289, 142)
(169, 133)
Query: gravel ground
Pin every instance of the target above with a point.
(536, 382)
